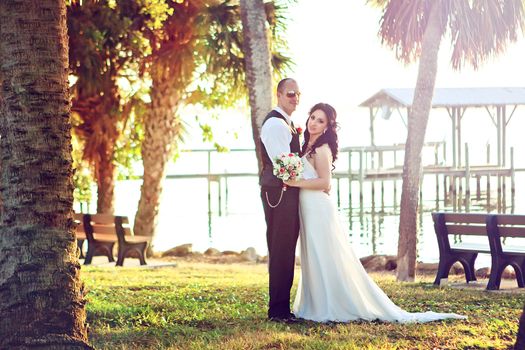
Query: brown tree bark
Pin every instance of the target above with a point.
(100, 132)
(258, 66)
(161, 129)
(105, 175)
(42, 301)
(417, 125)
(2, 113)
(520, 338)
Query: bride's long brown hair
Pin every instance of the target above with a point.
(329, 136)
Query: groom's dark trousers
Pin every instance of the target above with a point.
(281, 233)
(282, 230)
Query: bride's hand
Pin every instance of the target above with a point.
(291, 183)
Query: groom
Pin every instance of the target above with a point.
(281, 208)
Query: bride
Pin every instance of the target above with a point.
(334, 286)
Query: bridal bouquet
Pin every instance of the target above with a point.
(288, 166)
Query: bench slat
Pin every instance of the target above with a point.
(102, 218)
(471, 247)
(510, 231)
(136, 239)
(105, 237)
(514, 250)
(510, 219)
(472, 230)
(105, 229)
(466, 218)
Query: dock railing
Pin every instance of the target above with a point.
(378, 164)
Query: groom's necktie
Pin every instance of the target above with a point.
(293, 127)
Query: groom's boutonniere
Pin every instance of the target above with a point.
(299, 131)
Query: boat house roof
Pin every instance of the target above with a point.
(450, 97)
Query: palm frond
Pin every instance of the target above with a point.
(482, 29)
(402, 26)
(479, 29)
(221, 50)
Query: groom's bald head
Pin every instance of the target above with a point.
(282, 84)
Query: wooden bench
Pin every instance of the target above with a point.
(103, 231)
(493, 229)
(500, 228)
(129, 244)
(101, 236)
(446, 224)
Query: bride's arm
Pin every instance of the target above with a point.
(323, 167)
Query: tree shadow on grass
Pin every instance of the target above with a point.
(259, 333)
(178, 334)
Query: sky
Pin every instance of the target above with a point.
(340, 60)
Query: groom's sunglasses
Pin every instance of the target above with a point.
(293, 93)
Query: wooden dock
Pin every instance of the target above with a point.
(455, 187)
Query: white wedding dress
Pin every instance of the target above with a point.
(334, 286)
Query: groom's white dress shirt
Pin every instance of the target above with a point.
(276, 135)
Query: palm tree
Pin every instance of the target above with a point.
(414, 29)
(258, 65)
(104, 44)
(42, 298)
(204, 33)
(172, 67)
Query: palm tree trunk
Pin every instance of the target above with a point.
(106, 184)
(41, 294)
(417, 125)
(2, 113)
(162, 127)
(100, 131)
(258, 66)
(520, 338)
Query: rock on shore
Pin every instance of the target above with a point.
(181, 250)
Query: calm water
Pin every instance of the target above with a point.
(184, 215)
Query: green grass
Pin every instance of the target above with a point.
(205, 306)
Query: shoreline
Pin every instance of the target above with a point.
(371, 263)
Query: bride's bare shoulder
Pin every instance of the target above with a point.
(322, 155)
(325, 147)
(324, 150)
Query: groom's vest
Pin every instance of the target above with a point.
(267, 178)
